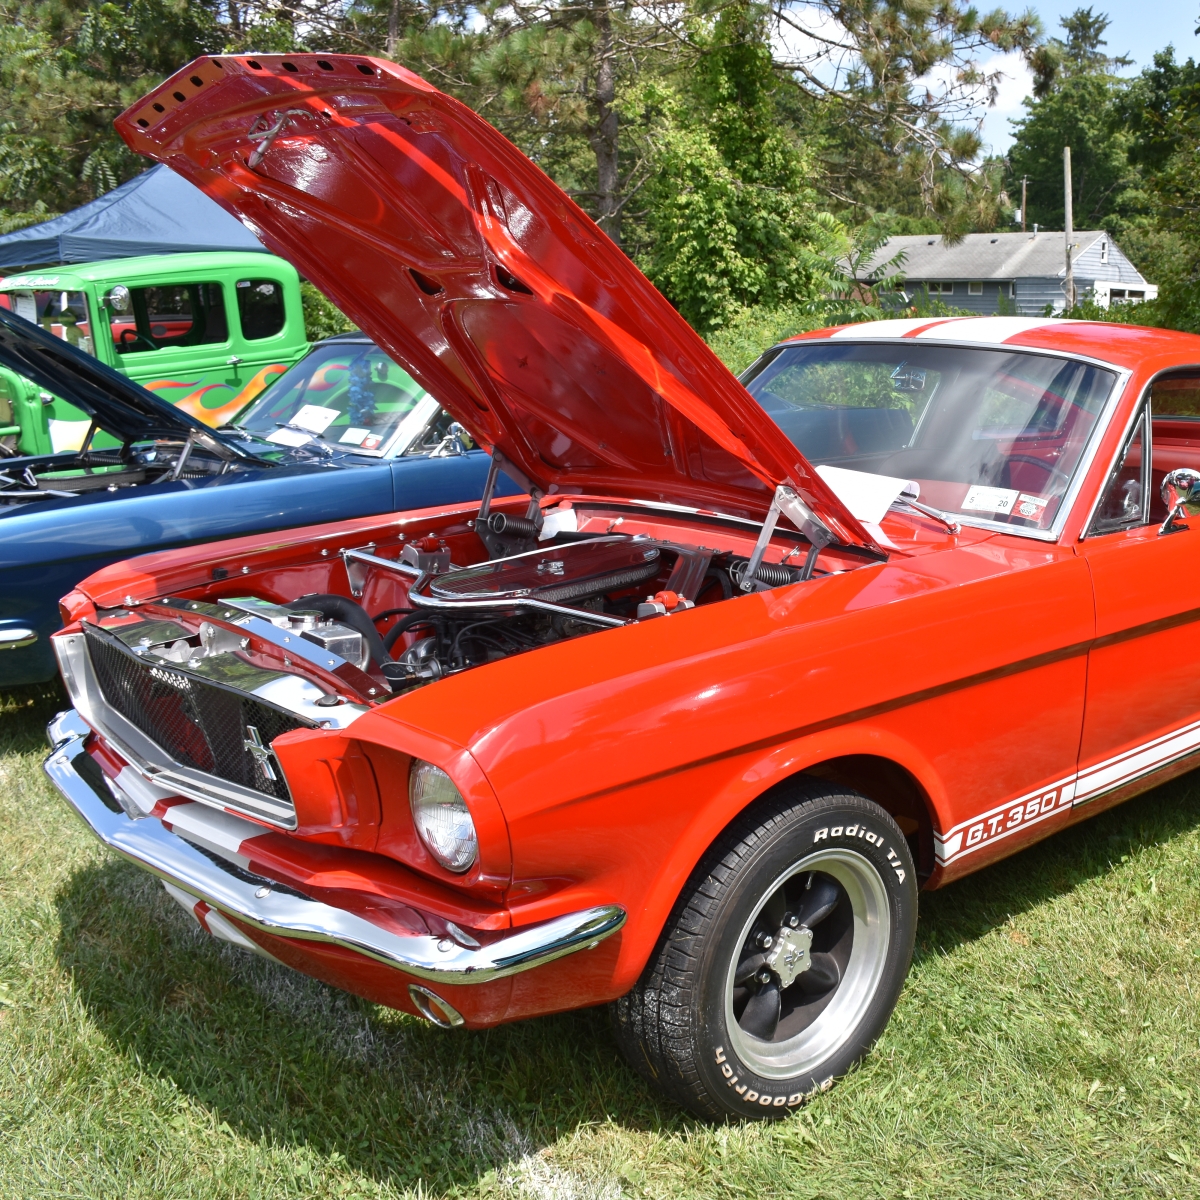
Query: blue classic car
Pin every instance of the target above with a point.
(344, 433)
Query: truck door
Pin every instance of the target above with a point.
(174, 338)
(269, 320)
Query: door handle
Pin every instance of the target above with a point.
(232, 361)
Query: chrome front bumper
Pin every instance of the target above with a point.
(285, 913)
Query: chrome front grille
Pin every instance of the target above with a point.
(202, 726)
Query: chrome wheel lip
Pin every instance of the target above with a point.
(812, 1047)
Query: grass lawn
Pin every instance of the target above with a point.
(1047, 1044)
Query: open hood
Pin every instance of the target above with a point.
(119, 406)
(474, 270)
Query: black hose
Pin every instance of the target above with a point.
(390, 612)
(721, 579)
(402, 626)
(339, 608)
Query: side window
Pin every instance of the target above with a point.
(1175, 421)
(1125, 503)
(260, 308)
(63, 314)
(143, 319)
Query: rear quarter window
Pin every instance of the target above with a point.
(260, 308)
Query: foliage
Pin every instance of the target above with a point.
(1081, 113)
(750, 331)
(322, 318)
(67, 68)
(1079, 103)
(1079, 55)
(731, 219)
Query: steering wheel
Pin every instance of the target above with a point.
(128, 336)
(1051, 471)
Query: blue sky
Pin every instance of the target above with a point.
(1137, 29)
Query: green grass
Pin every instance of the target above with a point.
(1048, 1044)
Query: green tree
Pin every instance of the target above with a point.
(1081, 107)
(67, 68)
(731, 217)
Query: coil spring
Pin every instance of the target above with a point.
(772, 574)
(506, 526)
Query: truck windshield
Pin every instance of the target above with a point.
(351, 396)
(64, 314)
(995, 435)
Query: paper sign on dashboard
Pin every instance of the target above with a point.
(989, 500)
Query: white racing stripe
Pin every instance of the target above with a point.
(1080, 788)
(990, 330)
(886, 329)
(220, 832)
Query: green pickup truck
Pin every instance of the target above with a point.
(205, 331)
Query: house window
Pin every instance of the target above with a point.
(1116, 294)
(1104, 251)
(940, 289)
(1137, 295)
(1012, 290)
(975, 289)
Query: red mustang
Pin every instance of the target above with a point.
(687, 729)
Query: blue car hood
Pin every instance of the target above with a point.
(119, 406)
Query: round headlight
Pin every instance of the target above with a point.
(442, 818)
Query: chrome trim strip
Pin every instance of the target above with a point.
(17, 638)
(422, 600)
(1143, 400)
(149, 758)
(284, 913)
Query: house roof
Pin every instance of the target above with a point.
(982, 256)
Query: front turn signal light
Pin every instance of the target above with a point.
(442, 818)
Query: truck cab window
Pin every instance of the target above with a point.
(144, 319)
(260, 308)
(63, 314)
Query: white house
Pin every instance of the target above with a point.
(1015, 272)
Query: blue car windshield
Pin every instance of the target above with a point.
(351, 396)
(993, 434)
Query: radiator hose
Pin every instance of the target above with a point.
(339, 608)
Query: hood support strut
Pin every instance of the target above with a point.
(819, 535)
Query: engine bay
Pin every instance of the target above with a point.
(332, 631)
(62, 476)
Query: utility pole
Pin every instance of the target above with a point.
(1069, 231)
(1024, 185)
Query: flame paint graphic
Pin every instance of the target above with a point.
(158, 384)
(320, 381)
(221, 415)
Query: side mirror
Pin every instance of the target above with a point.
(119, 299)
(1180, 488)
(452, 444)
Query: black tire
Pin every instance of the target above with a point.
(811, 862)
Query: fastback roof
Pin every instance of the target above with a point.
(1125, 346)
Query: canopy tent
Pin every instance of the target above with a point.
(157, 212)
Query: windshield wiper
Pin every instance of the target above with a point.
(935, 513)
(7, 482)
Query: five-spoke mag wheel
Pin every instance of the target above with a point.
(783, 959)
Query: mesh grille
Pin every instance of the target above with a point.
(199, 724)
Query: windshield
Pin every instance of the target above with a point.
(991, 434)
(61, 313)
(350, 396)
